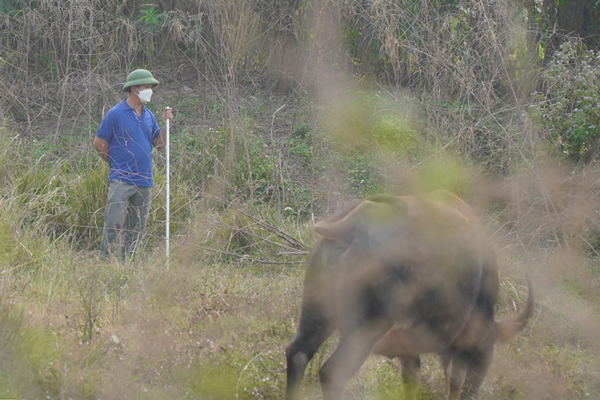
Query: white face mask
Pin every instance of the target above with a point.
(145, 95)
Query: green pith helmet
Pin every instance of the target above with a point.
(139, 77)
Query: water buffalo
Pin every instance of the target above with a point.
(400, 277)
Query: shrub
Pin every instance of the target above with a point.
(568, 106)
(367, 132)
(28, 358)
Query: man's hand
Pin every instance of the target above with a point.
(161, 140)
(167, 114)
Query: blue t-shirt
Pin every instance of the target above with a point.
(129, 140)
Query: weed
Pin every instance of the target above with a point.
(30, 359)
(212, 380)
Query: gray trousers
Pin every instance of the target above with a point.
(127, 209)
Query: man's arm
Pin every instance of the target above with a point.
(101, 147)
(161, 140)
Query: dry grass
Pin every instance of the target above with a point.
(76, 328)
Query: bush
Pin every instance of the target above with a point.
(369, 132)
(29, 358)
(568, 106)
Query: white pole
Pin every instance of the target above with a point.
(168, 190)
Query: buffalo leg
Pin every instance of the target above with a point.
(313, 330)
(411, 368)
(346, 360)
(479, 362)
(457, 370)
(446, 358)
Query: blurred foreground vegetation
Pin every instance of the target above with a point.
(286, 111)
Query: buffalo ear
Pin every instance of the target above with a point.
(339, 230)
(331, 230)
(342, 229)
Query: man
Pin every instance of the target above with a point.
(125, 139)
